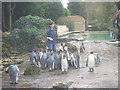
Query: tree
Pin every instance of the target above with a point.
(118, 5)
(66, 12)
(12, 11)
(77, 8)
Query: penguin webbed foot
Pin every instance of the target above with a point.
(16, 82)
(11, 83)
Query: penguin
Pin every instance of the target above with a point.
(82, 48)
(77, 58)
(97, 59)
(33, 58)
(39, 58)
(73, 60)
(46, 49)
(61, 47)
(56, 59)
(59, 58)
(65, 48)
(14, 73)
(91, 62)
(51, 62)
(43, 60)
(48, 55)
(64, 64)
(65, 53)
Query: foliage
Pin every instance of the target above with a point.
(77, 8)
(32, 22)
(66, 12)
(101, 27)
(28, 33)
(118, 5)
(52, 10)
(109, 11)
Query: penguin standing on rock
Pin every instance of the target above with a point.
(51, 62)
(14, 73)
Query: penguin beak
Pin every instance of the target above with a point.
(6, 70)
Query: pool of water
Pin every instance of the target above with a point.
(90, 36)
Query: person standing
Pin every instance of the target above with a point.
(51, 35)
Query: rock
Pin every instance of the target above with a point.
(18, 60)
(60, 85)
(6, 64)
(112, 40)
(84, 34)
(32, 70)
(6, 60)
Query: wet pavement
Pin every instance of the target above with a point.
(105, 75)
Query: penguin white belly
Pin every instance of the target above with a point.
(91, 61)
(64, 64)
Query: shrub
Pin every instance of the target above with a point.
(32, 22)
(27, 33)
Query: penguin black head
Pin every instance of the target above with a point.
(51, 54)
(63, 56)
(48, 50)
(44, 51)
(61, 44)
(35, 50)
(60, 51)
(91, 52)
(82, 43)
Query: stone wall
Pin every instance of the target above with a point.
(77, 21)
(62, 29)
(79, 26)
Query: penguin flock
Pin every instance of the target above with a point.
(53, 60)
(61, 58)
